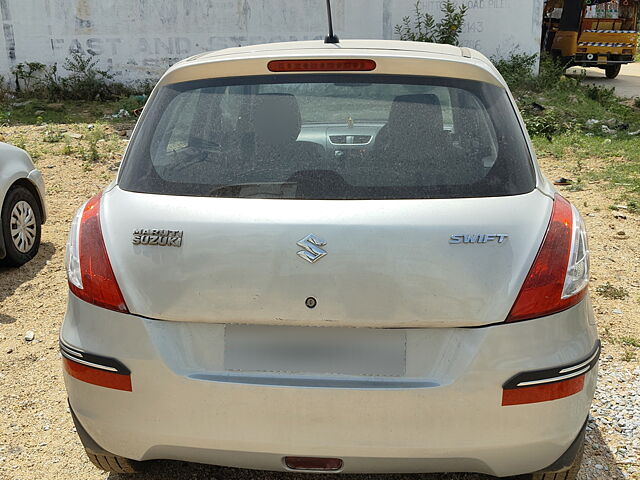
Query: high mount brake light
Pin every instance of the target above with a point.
(559, 275)
(89, 271)
(330, 65)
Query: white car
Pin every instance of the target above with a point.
(22, 207)
(331, 257)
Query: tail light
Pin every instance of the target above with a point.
(89, 271)
(559, 275)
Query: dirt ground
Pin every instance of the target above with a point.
(37, 437)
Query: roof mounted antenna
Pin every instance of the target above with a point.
(332, 37)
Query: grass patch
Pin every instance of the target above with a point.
(617, 160)
(630, 341)
(53, 135)
(628, 355)
(86, 93)
(553, 104)
(612, 292)
(571, 121)
(38, 112)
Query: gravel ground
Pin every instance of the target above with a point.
(37, 438)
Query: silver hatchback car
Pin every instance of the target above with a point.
(331, 258)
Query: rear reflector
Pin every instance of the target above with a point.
(542, 393)
(96, 376)
(312, 463)
(338, 65)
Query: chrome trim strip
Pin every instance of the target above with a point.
(555, 379)
(66, 349)
(576, 367)
(69, 347)
(89, 364)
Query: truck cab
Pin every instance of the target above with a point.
(596, 33)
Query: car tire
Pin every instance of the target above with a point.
(114, 463)
(612, 71)
(21, 226)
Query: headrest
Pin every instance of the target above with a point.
(415, 116)
(277, 118)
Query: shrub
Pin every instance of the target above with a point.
(5, 89)
(85, 80)
(518, 71)
(516, 66)
(424, 27)
(546, 124)
(132, 103)
(600, 94)
(552, 75)
(553, 103)
(27, 74)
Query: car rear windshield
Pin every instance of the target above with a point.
(329, 137)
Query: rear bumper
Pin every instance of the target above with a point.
(582, 59)
(182, 408)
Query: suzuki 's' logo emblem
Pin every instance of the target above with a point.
(312, 251)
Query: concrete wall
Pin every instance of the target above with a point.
(138, 39)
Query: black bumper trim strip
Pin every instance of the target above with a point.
(556, 374)
(91, 360)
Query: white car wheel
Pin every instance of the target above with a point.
(21, 219)
(23, 228)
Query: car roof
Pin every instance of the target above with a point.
(392, 56)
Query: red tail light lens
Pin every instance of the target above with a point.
(91, 277)
(337, 65)
(544, 291)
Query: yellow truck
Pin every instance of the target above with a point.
(592, 33)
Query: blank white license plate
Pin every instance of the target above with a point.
(310, 350)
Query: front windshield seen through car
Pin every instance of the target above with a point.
(329, 137)
(361, 103)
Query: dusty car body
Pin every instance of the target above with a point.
(327, 257)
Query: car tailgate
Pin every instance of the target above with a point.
(388, 263)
